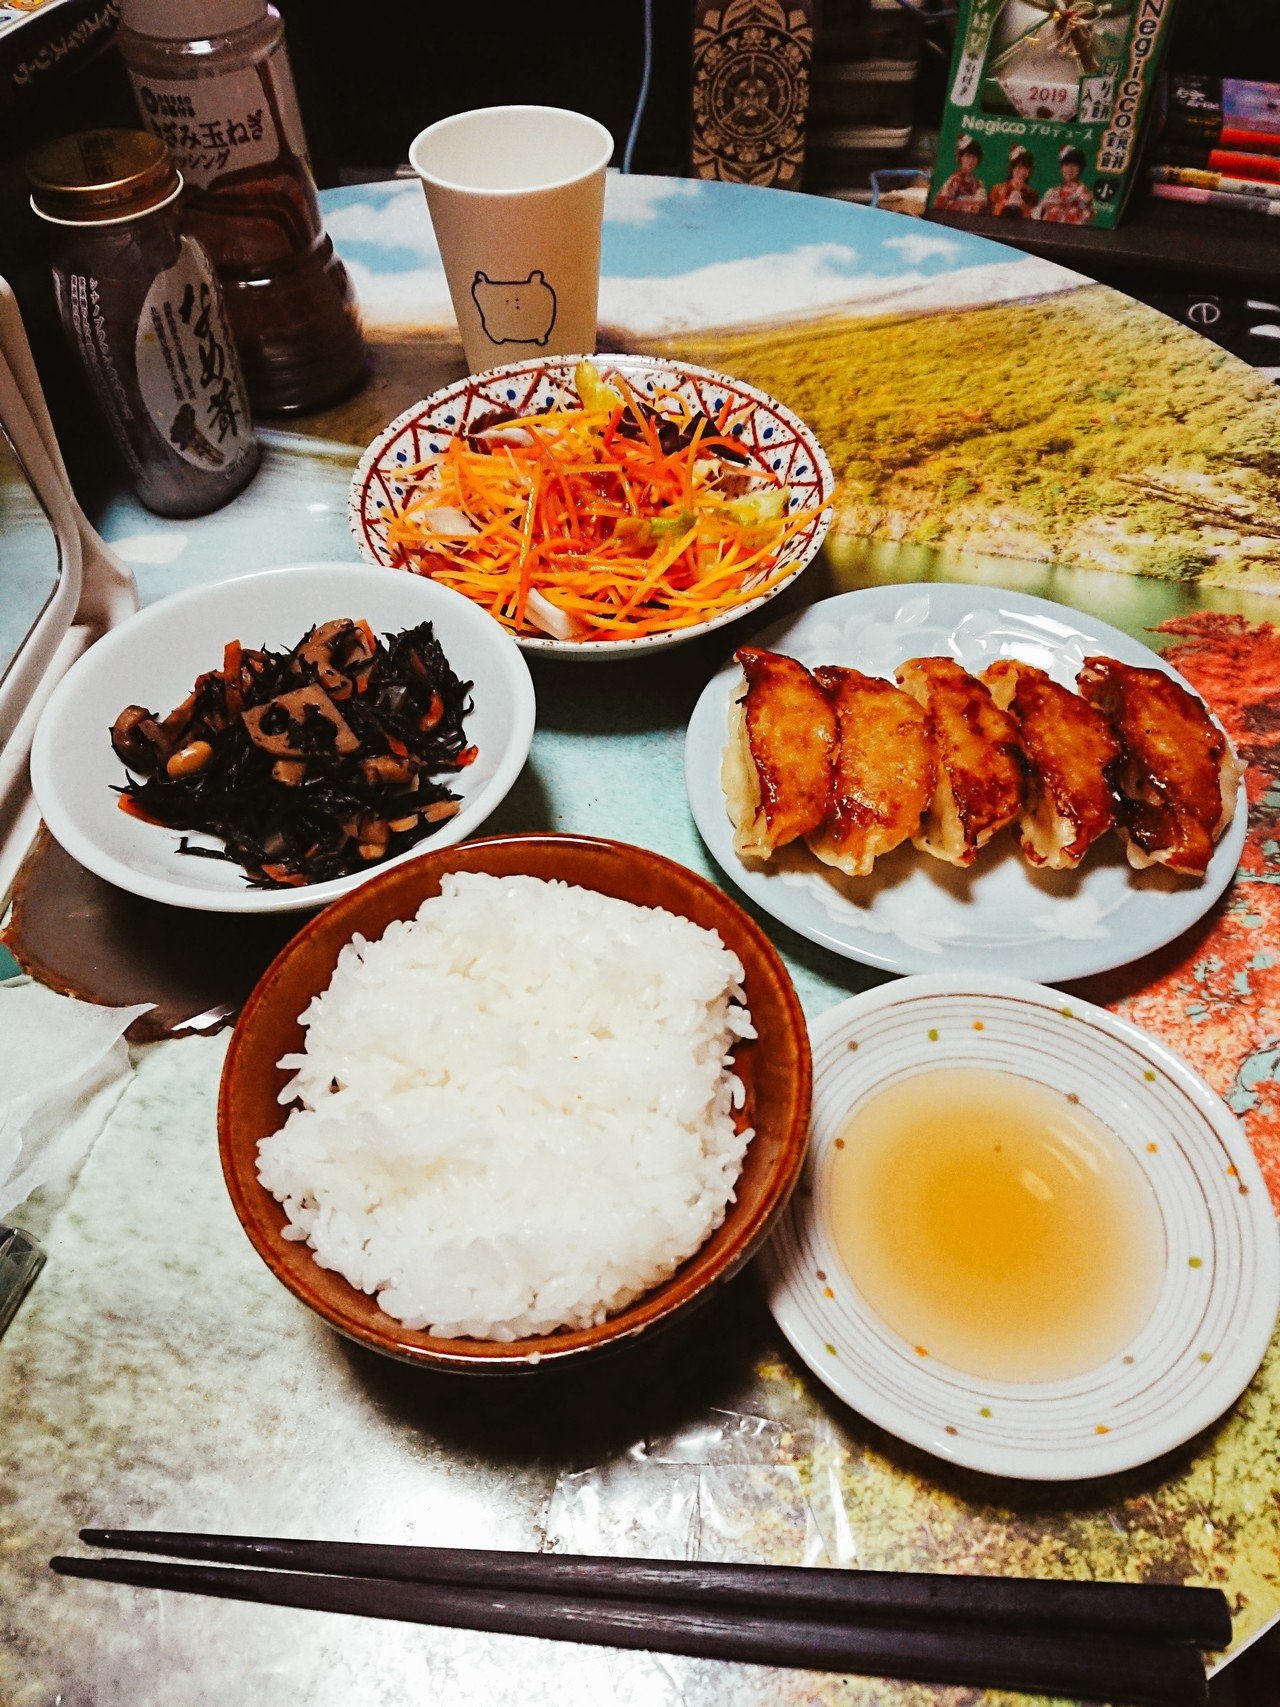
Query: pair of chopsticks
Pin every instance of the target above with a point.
(1111, 1641)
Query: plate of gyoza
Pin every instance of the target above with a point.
(951, 777)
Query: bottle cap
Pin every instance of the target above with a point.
(190, 20)
(101, 175)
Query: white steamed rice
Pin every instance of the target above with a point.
(516, 1109)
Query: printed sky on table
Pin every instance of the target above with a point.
(774, 253)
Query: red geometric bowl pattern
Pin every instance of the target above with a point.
(778, 441)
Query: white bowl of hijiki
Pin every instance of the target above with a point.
(265, 744)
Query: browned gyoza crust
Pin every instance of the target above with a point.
(792, 736)
(1071, 751)
(885, 770)
(1177, 775)
(980, 760)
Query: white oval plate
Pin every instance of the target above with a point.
(777, 440)
(914, 913)
(1221, 1288)
(155, 657)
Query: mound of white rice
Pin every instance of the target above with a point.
(516, 1109)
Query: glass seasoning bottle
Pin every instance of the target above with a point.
(141, 308)
(213, 81)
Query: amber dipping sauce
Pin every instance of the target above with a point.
(995, 1224)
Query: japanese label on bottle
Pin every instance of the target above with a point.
(216, 125)
(188, 371)
(89, 328)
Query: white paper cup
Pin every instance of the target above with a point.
(516, 196)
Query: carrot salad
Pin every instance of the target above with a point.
(625, 516)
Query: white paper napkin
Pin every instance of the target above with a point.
(63, 1065)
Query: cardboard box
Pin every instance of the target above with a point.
(1045, 108)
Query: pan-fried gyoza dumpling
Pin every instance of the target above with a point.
(885, 770)
(778, 764)
(1178, 775)
(980, 760)
(1071, 749)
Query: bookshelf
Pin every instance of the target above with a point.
(1156, 244)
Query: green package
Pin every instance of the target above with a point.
(1045, 107)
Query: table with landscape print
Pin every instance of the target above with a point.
(994, 422)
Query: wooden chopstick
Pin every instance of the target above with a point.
(1166, 1673)
(1157, 1611)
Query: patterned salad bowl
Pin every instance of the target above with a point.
(776, 442)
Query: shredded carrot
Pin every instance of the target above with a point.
(586, 508)
(282, 874)
(232, 659)
(132, 808)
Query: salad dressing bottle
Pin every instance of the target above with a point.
(212, 80)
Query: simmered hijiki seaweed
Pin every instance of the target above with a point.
(309, 764)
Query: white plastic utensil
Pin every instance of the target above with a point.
(92, 592)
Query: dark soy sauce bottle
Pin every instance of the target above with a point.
(142, 311)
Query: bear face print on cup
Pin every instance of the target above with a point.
(516, 197)
(515, 311)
